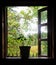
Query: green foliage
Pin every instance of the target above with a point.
(26, 16)
(44, 47)
(35, 10)
(43, 35)
(43, 16)
(15, 36)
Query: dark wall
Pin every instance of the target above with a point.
(2, 33)
(51, 31)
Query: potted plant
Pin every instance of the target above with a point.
(24, 49)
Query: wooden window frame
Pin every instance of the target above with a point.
(39, 31)
(50, 33)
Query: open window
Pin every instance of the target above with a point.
(43, 32)
(44, 39)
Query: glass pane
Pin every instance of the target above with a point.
(44, 17)
(44, 48)
(43, 32)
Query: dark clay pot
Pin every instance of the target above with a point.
(24, 52)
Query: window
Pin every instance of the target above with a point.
(44, 34)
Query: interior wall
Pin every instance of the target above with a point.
(2, 34)
(52, 33)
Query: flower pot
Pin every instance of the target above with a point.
(24, 52)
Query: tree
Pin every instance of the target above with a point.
(15, 30)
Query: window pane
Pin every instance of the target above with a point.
(43, 17)
(43, 32)
(44, 48)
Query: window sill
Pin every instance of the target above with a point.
(29, 57)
